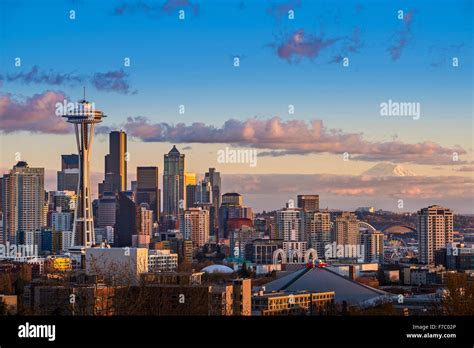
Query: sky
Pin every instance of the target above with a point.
(165, 72)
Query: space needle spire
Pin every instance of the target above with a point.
(84, 117)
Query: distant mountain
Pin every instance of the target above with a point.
(388, 169)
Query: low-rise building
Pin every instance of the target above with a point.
(289, 303)
(162, 261)
(122, 265)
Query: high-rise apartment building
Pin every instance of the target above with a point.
(435, 231)
(23, 201)
(318, 230)
(346, 229)
(144, 230)
(195, 226)
(290, 224)
(372, 242)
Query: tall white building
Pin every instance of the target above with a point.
(290, 224)
(435, 231)
(23, 201)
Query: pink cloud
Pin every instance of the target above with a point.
(35, 114)
(413, 187)
(301, 45)
(293, 137)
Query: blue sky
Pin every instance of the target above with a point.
(190, 62)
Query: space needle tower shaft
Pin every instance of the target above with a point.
(84, 117)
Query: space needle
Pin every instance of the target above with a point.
(84, 117)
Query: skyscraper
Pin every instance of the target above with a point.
(435, 231)
(125, 221)
(23, 201)
(148, 189)
(106, 210)
(190, 180)
(308, 202)
(214, 179)
(174, 192)
(346, 229)
(84, 117)
(68, 177)
(115, 164)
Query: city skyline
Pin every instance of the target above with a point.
(282, 165)
(290, 98)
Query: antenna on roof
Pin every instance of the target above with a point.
(84, 88)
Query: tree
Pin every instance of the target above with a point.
(457, 298)
(244, 272)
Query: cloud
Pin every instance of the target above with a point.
(465, 169)
(34, 114)
(293, 137)
(414, 187)
(35, 75)
(153, 9)
(402, 37)
(112, 81)
(280, 10)
(301, 45)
